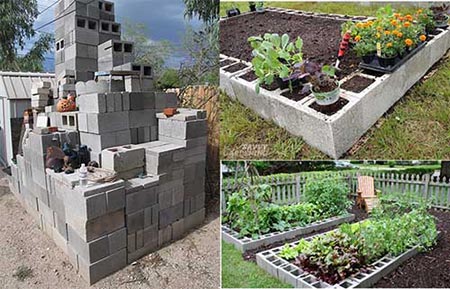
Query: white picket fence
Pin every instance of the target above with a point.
(287, 189)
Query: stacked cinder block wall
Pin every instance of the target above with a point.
(158, 193)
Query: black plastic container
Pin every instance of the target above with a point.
(233, 12)
(386, 62)
(368, 58)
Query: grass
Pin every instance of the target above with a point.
(417, 127)
(23, 272)
(347, 8)
(237, 273)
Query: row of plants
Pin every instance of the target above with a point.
(278, 59)
(251, 212)
(397, 224)
(254, 6)
(391, 36)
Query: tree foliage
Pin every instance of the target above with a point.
(16, 28)
(169, 79)
(205, 10)
(146, 51)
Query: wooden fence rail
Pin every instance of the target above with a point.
(287, 189)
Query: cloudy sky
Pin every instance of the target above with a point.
(164, 19)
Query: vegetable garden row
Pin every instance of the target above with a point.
(352, 255)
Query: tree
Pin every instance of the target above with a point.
(16, 27)
(146, 51)
(205, 10)
(169, 79)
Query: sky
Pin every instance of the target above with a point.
(164, 20)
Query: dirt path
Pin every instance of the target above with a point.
(192, 262)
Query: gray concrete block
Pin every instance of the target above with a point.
(107, 122)
(141, 199)
(151, 215)
(165, 235)
(182, 130)
(110, 102)
(115, 199)
(139, 239)
(169, 215)
(89, 251)
(142, 100)
(195, 219)
(164, 100)
(131, 242)
(178, 229)
(104, 267)
(98, 142)
(123, 158)
(117, 240)
(150, 244)
(96, 206)
(135, 222)
(141, 118)
(104, 225)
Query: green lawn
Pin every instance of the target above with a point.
(237, 273)
(417, 127)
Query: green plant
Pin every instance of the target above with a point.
(260, 4)
(391, 163)
(273, 56)
(330, 195)
(23, 272)
(321, 77)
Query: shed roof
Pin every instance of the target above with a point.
(17, 85)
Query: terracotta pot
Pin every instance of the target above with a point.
(66, 104)
(170, 111)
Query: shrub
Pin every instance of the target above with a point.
(330, 195)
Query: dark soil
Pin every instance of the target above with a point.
(249, 76)
(251, 254)
(330, 109)
(357, 83)
(272, 87)
(235, 67)
(436, 32)
(428, 269)
(321, 36)
(226, 62)
(296, 94)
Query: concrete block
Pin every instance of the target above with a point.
(115, 199)
(135, 222)
(123, 158)
(142, 118)
(141, 199)
(131, 242)
(92, 103)
(89, 251)
(169, 215)
(117, 240)
(139, 239)
(96, 206)
(142, 100)
(181, 129)
(194, 219)
(164, 100)
(131, 174)
(178, 229)
(107, 122)
(110, 105)
(98, 142)
(165, 235)
(104, 267)
(151, 236)
(151, 215)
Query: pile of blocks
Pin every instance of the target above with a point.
(40, 94)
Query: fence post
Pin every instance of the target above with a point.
(222, 194)
(297, 188)
(426, 187)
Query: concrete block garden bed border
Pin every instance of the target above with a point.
(335, 134)
(291, 274)
(244, 244)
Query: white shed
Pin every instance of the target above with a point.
(15, 98)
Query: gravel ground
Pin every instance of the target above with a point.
(192, 262)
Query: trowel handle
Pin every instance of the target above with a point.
(343, 46)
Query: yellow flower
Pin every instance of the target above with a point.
(395, 32)
(389, 44)
(378, 35)
(419, 11)
(399, 35)
(422, 37)
(387, 32)
(394, 22)
(359, 25)
(370, 23)
(408, 42)
(357, 38)
(379, 28)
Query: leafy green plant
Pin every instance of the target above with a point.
(274, 56)
(330, 195)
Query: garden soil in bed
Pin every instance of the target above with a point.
(329, 109)
(357, 83)
(321, 36)
(425, 270)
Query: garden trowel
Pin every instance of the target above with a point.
(343, 46)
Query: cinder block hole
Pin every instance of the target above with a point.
(108, 7)
(113, 150)
(245, 241)
(81, 23)
(128, 47)
(65, 120)
(118, 47)
(271, 258)
(318, 285)
(147, 70)
(310, 279)
(127, 147)
(360, 276)
(136, 68)
(378, 265)
(92, 25)
(266, 253)
(295, 272)
(100, 5)
(277, 263)
(71, 121)
(115, 28)
(105, 26)
(62, 44)
(345, 284)
(57, 46)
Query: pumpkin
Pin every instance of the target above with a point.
(66, 104)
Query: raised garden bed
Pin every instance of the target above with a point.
(333, 131)
(244, 244)
(271, 262)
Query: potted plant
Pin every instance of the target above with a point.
(260, 7)
(321, 80)
(233, 12)
(252, 6)
(425, 18)
(440, 13)
(274, 57)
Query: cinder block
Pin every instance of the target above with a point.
(141, 199)
(165, 235)
(107, 122)
(89, 251)
(115, 199)
(142, 118)
(123, 158)
(181, 129)
(104, 267)
(169, 215)
(164, 100)
(139, 239)
(142, 100)
(151, 237)
(194, 219)
(178, 229)
(151, 215)
(98, 142)
(131, 242)
(110, 102)
(163, 159)
(131, 174)
(96, 206)
(135, 222)
(117, 240)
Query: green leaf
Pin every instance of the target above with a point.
(284, 41)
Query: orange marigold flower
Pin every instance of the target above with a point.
(370, 23)
(419, 11)
(359, 25)
(401, 18)
(396, 15)
(409, 42)
(394, 22)
(357, 38)
(422, 37)
(409, 17)
(387, 32)
(379, 28)
(407, 24)
(389, 44)
(399, 35)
